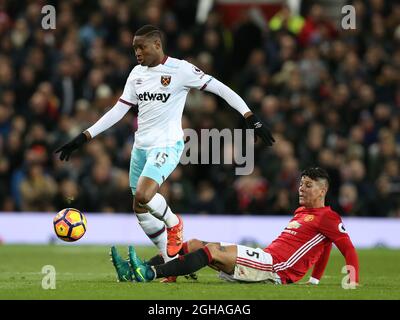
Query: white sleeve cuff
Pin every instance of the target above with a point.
(313, 280)
(110, 118)
(226, 93)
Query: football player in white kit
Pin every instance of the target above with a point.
(158, 87)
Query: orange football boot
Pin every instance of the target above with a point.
(175, 238)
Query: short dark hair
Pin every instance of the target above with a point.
(148, 30)
(316, 173)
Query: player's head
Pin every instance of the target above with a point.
(147, 44)
(314, 185)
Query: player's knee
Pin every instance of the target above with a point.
(194, 244)
(213, 250)
(142, 197)
(137, 208)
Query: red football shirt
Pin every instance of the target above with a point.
(304, 240)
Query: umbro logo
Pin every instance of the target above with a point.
(257, 125)
(148, 96)
(196, 70)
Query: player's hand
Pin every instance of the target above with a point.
(260, 129)
(69, 147)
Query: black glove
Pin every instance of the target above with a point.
(69, 147)
(260, 129)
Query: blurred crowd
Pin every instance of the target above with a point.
(330, 96)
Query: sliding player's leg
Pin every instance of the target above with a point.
(122, 266)
(235, 263)
(158, 259)
(221, 258)
(195, 244)
(251, 265)
(187, 247)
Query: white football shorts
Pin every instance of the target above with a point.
(252, 265)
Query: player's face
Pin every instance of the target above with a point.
(311, 192)
(145, 50)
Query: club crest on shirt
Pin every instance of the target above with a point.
(165, 80)
(293, 225)
(309, 217)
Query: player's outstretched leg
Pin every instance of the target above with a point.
(184, 265)
(158, 259)
(122, 267)
(141, 270)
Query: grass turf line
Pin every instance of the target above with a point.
(85, 272)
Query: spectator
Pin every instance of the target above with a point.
(285, 20)
(97, 188)
(69, 195)
(121, 195)
(252, 192)
(330, 97)
(282, 203)
(349, 202)
(316, 27)
(37, 190)
(248, 37)
(207, 199)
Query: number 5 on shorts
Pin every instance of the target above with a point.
(252, 254)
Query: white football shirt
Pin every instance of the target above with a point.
(160, 94)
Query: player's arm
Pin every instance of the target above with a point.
(320, 265)
(236, 102)
(195, 78)
(332, 227)
(114, 115)
(348, 251)
(110, 118)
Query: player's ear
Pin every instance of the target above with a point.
(325, 188)
(157, 43)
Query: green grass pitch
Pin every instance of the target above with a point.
(85, 272)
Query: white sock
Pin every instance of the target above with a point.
(160, 209)
(155, 230)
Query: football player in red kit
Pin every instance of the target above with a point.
(304, 243)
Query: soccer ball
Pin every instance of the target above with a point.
(69, 224)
